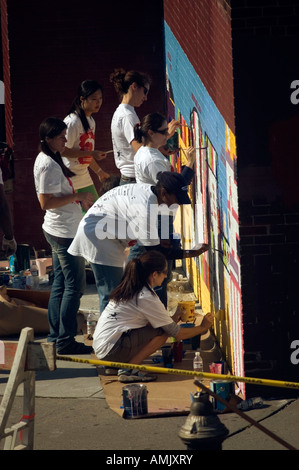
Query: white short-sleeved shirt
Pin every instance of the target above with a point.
(49, 179)
(148, 163)
(125, 213)
(119, 318)
(122, 132)
(77, 138)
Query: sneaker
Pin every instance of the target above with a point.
(111, 371)
(134, 375)
(75, 348)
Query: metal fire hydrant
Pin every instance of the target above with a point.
(203, 429)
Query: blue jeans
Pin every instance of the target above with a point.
(106, 279)
(67, 289)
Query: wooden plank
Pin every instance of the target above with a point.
(8, 351)
(39, 356)
(16, 377)
(38, 297)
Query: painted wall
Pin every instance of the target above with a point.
(216, 275)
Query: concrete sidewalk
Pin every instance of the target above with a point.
(72, 414)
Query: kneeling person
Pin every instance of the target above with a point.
(135, 322)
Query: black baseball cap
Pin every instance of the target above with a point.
(174, 183)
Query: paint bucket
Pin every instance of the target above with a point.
(223, 388)
(134, 400)
(188, 308)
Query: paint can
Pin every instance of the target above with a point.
(188, 309)
(134, 400)
(223, 388)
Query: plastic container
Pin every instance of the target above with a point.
(167, 355)
(34, 281)
(91, 324)
(188, 308)
(198, 365)
(134, 400)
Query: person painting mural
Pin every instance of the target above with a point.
(152, 133)
(132, 88)
(135, 323)
(123, 215)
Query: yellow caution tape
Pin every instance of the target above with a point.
(205, 375)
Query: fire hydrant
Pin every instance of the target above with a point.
(203, 429)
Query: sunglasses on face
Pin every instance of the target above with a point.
(162, 131)
(165, 271)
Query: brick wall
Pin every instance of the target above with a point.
(270, 17)
(203, 30)
(267, 144)
(52, 49)
(199, 67)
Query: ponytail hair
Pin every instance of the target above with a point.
(86, 88)
(122, 80)
(51, 127)
(150, 122)
(136, 275)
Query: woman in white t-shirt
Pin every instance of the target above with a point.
(152, 133)
(135, 323)
(132, 88)
(63, 213)
(79, 153)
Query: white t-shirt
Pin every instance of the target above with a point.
(125, 213)
(77, 138)
(122, 132)
(148, 163)
(49, 179)
(119, 318)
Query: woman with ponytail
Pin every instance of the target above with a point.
(152, 133)
(132, 88)
(63, 213)
(135, 323)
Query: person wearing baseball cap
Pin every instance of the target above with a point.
(174, 183)
(121, 216)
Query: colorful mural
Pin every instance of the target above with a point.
(213, 217)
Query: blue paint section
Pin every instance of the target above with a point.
(189, 92)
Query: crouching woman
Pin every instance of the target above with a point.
(135, 323)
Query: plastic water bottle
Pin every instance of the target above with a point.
(251, 403)
(91, 324)
(34, 276)
(198, 365)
